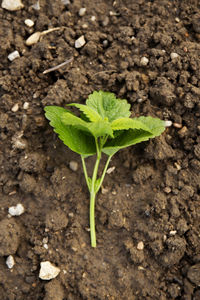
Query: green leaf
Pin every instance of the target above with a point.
(89, 112)
(134, 136)
(108, 106)
(99, 128)
(127, 123)
(77, 140)
(155, 125)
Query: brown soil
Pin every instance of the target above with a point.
(153, 196)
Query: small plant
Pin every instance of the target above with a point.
(104, 126)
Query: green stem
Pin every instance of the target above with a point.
(92, 198)
(85, 172)
(104, 173)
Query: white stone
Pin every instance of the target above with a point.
(93, 18)
(25, 105)
(29, 22)
(84, 26)
(16, 210)
(33, 38)
(177, 20)
(140, 246)
(80, 42)
(73, 165)
(10, 262)
(15, 107)
(144, 61)
(13, 55)
(46, 246)
(82, 11)
(110, 170)
(174, 55)
(48, 271)
(172, 232)
(168, 123)
(12, 5)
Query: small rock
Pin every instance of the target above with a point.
(177, 125)
(177, 20)
(84, 26)
(25, 105)
(46, 246)
(105, 21)
(10, 261)
(167, 190)
(183, 131)
(110, 170)
(105, 43)
(144, 61)
(174, 55)
(93, 18)
(73, 165)
(140, 246)
(33, 38)
(48, 271)
(168, 123)
(12, 5)
(82, 11)
(13, 55)
(172, 232)
(80, 42)
(29, 22)
(15, 107)
(16, 210)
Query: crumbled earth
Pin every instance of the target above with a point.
(153, 195)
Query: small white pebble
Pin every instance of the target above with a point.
(84, 26)
(174, 55)
(140, 246)
(82, 11)
(10, 262)
(46, 246)
(177, 166)
(177, 20)
(80, 42)
(16, 210)
(93, 18)
(172, 232)
(45, 240)
(144, 61)
(15, 107)
(73, 165)
(167, 190)
(12, 5)
(25, 105)
(33, 38)
(29, 22)
(110, 170)
(177, 125)
(48, 271)
(13, 55)
(168, 123)
(19, 143)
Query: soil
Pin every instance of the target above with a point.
(153, 195)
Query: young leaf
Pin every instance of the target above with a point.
(108, 106)
(99, 128)
(127, 123)
(133, 136)
(77, 140)
(89, 112)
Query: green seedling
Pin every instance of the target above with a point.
(104, 126)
